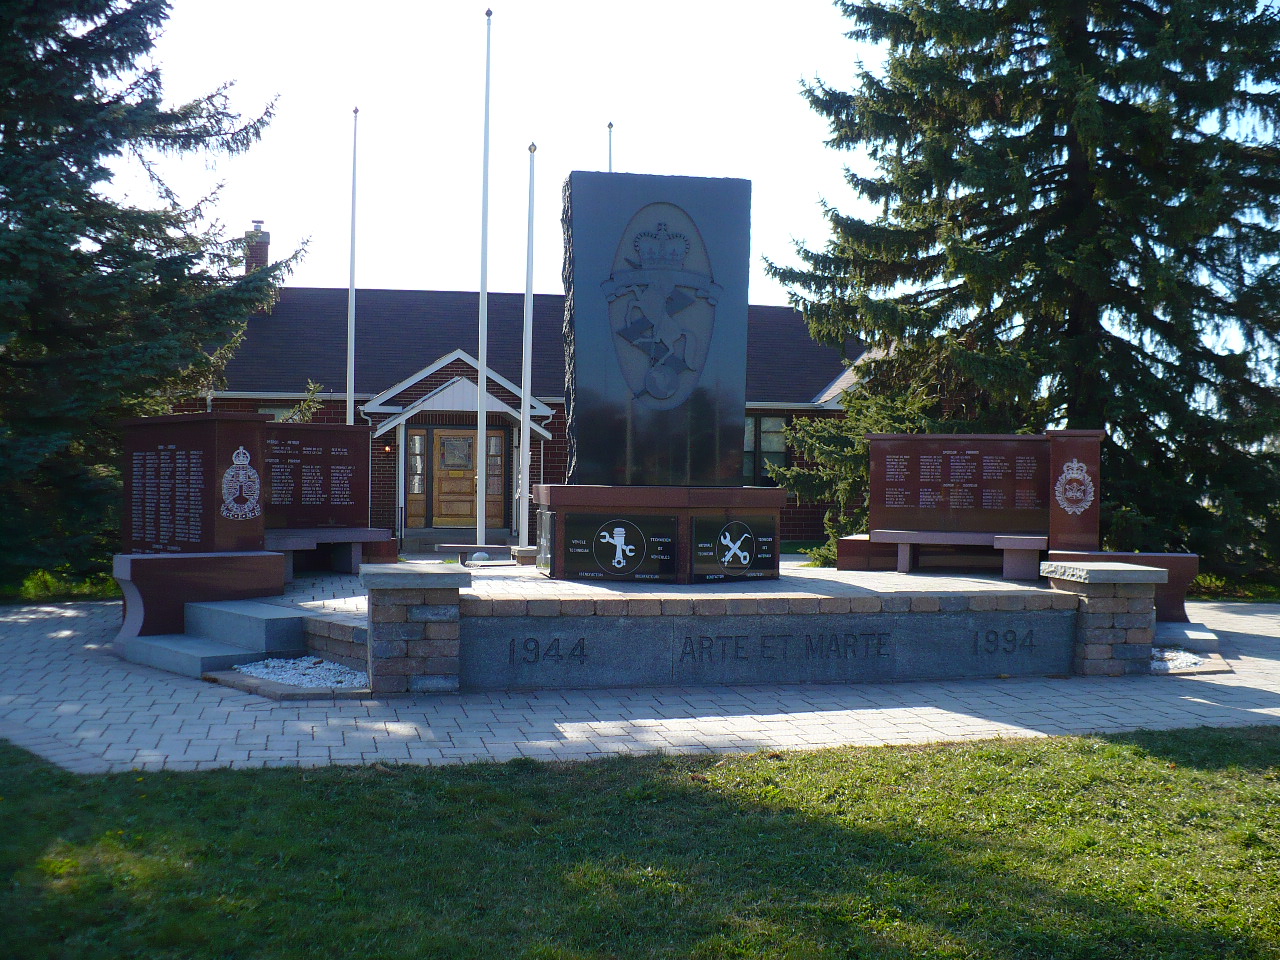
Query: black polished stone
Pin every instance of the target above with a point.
(738, 548)
(601, 546)
(655, 328)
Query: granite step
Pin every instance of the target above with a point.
(249, 624)
(186, 655)
(1195, 637)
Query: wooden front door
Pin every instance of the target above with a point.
(453, 487)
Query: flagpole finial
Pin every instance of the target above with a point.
(355, 111)
(488, 13)
(533, 147)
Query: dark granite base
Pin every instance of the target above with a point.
(662, 534)
(508, 653)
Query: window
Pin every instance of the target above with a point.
(277, 413)
(762, 444)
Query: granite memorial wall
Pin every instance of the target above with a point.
(213, 483)
(989, 483)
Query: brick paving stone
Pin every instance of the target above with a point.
(63, 697)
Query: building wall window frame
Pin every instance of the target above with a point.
(763, 443)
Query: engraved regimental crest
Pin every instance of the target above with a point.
(662, 305)
(240, 488)
(1074, 489)
(736, 547)
(620, 547)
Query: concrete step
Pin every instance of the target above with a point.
(249, 624)
(185, 655)
(1195, 637)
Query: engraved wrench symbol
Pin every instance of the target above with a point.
(734, 548)
(619, 540)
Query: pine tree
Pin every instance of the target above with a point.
(107, 309)
(1076, 206)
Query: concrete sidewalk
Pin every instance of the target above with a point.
(64, 697)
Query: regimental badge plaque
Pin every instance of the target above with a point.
(600, 546)
(734, 548)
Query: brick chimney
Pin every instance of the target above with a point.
(257, 243)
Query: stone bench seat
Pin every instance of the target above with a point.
(346, 542)
(1020, 552)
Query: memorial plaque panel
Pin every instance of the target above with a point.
(316, 475)
(655, 328)
(192, 484)
(960, 483)
(601, 546)
(735, 548)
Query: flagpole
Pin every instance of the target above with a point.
(526, 367)
(611, 146)
(482, 411)
(351, 284)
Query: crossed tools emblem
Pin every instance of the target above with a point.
(735, 550)
(622, 549)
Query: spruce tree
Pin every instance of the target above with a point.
(1075, 226)
(107, 309)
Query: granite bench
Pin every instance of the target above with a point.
(346, 544)
(1020, 552)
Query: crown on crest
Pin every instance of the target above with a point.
(1075, 470)
(241, 456)
(660, 250)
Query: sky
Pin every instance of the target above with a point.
(697, 88)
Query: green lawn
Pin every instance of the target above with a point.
(1142, 846)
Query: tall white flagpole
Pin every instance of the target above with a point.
(482, 395)
(351, 284)
(526, 370)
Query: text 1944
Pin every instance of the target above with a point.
(533, 650)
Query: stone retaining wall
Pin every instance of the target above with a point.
(413, 627)
(343, 643)
(418, 622)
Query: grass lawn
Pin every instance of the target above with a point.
(1151, 845)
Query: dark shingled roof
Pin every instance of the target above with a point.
(401, 331)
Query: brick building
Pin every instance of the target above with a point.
(416, 385)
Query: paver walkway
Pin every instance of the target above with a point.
(64, 697)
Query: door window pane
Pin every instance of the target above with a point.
(455, 453)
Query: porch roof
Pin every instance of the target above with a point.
(459, 395)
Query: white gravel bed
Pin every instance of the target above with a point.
(306, 672)
(1169, 659)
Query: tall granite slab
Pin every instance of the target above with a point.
(655, 328)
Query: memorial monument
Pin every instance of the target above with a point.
(655, 387)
